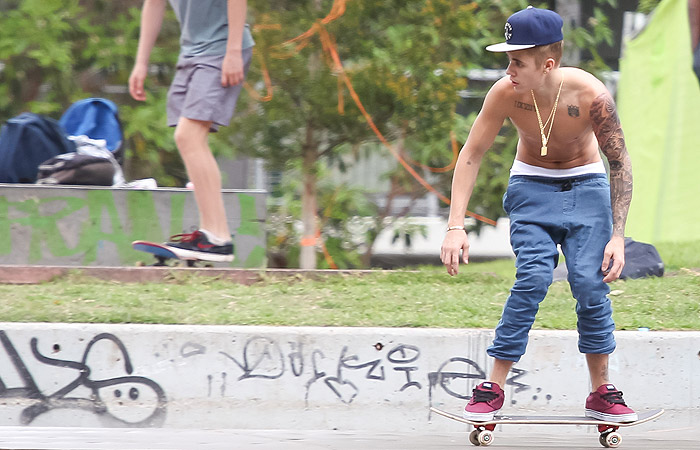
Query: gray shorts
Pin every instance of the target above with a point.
(196, 92)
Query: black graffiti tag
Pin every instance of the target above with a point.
(262, 358)
(445, 379)
(96, 402)
(405, 354)
(466, 369)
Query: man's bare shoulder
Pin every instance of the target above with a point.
(582, 77)
(584, 84)
(502, 88)
(497, 99)
(500, 94)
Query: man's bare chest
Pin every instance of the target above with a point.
(559, 139)
(568, 123)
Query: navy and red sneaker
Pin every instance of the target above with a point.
(196, 245)
(606, 403)
(487, 399)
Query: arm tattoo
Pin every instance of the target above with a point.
(606, 126)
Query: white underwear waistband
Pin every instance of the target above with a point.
(521, 168)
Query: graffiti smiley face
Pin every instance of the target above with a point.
(130, 400)
(133, 401)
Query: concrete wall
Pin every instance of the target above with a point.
(94, 226)
(311, 378)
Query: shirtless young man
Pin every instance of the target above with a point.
(558, 193)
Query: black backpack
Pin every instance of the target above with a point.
(76, 168)
(26, 141)
(641, 260)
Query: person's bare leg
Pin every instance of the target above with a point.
(499, 374)
(598, 368)
(192, 139)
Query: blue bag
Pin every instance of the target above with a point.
(26, 141)
(96, 118)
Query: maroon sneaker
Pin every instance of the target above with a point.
(487, 399)
(607, 404)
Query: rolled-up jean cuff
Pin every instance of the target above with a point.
(597, 350)
(495, 354)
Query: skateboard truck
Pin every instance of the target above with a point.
(162, 253)
(482, 434)
(161, 261)
(609, 437)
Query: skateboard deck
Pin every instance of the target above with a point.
(609, 437)
(161, 252)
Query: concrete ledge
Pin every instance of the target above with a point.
(100, 375)
(95, 225)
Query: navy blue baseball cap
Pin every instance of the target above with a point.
(529, 28)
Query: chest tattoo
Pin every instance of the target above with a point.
(573, 110)
(525, 106)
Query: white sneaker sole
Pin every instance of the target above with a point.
(617, 418)
(478, 417)
(200, 256)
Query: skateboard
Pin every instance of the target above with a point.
(161, 252)
(609, 437)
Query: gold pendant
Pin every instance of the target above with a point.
(543, 151)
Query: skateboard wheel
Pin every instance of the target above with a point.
(610, 440)
(474, 438)
(485, 437)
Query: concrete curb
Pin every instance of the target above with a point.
(101, 375)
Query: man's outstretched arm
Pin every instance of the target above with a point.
(608, 131)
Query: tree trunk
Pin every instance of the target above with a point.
(379, 222)
(307, 256)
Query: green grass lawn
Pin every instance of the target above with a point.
(421, 297)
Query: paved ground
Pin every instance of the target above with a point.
(573, 438)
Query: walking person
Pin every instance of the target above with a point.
(558, 194)
(215, 52)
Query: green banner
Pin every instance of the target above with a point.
(658, 101)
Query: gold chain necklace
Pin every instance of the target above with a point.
(545, 139)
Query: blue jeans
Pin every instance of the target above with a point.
(544, 212)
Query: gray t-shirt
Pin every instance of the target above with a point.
(204, 27)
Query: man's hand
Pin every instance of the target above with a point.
(613, 259)
(455, 240)
(232, 69)
(136, 82)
